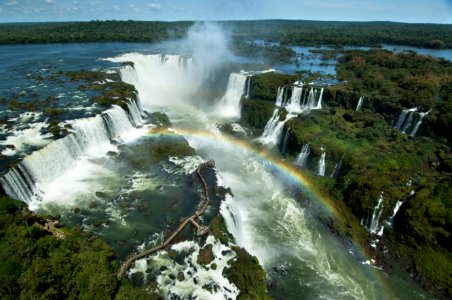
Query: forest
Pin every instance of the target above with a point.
(436, 36)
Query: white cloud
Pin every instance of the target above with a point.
(115, 8)
(11, 3)
(154, 6)
(50, 1)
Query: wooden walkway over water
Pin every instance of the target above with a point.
(201, 230)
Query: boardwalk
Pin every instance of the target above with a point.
(201, 230)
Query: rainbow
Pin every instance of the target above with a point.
(290, 171)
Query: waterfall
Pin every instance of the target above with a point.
(410, 120)
(374, 226)
(319, 102)
(337, 168)
(229, 105)
(303, 156)
(360, 103)
(321, 168)
(419, 122)
(248, 86)
(90, 137)
(284, 144)
(274, 128)
(405, 118)
(293, 105)
(394, 212)
(280, 97)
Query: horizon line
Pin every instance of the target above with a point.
(225, 20)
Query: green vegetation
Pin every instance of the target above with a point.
(37, 265)
(285, 31)
(112, 90)
(391, 82)
(270, 55)
(218, 229)
(153, 149)
(289, 32)
(246, 273)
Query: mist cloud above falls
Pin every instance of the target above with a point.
(208, 44)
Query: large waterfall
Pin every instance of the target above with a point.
(229, 106)
(91, 137)
(303, 155)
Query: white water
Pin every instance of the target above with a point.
(394, 212)
(410, 120)
(360, 103)
(419, 122)
(374, 225)
(280, 101)
(302, 157)
(229, 106)
(22, 139)
(44, 172)
(322, 164)
(274, 128)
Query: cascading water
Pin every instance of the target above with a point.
(374, 225)
(303, 155)
(280, 97)
(274, 128)
(229, 106)
(91, 137)
(419, 122)
(293, 106)
(319, 101)
(248, 87)
(322, 164)
(337, 168)
(360, 103)
(286, 139)
(410, 120)
(394, 212)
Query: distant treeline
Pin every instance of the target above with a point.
(287, 32)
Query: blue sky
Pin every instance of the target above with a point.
(414, 11)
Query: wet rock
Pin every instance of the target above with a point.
(282, 270)
(76, 210)
(172, 276)
(214, 266)
(205, 255)
(163, 268)
(225, 252)
(100, 194)
(180, 276)
(12, 147)
(112, 153)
